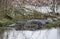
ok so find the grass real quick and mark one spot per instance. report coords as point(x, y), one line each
point(6, 18)
point(53, 24)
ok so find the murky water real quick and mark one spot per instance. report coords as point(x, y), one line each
point(53, 33)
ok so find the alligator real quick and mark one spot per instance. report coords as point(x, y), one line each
point(30, 24)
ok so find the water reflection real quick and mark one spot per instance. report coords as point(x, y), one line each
point(39, 34)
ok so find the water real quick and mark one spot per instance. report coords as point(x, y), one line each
point(53, 33)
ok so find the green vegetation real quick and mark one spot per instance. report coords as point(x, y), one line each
point(53, 24)
point(9, 16)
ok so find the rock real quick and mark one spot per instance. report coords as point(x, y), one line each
point(55, 19)
point(50, 19)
